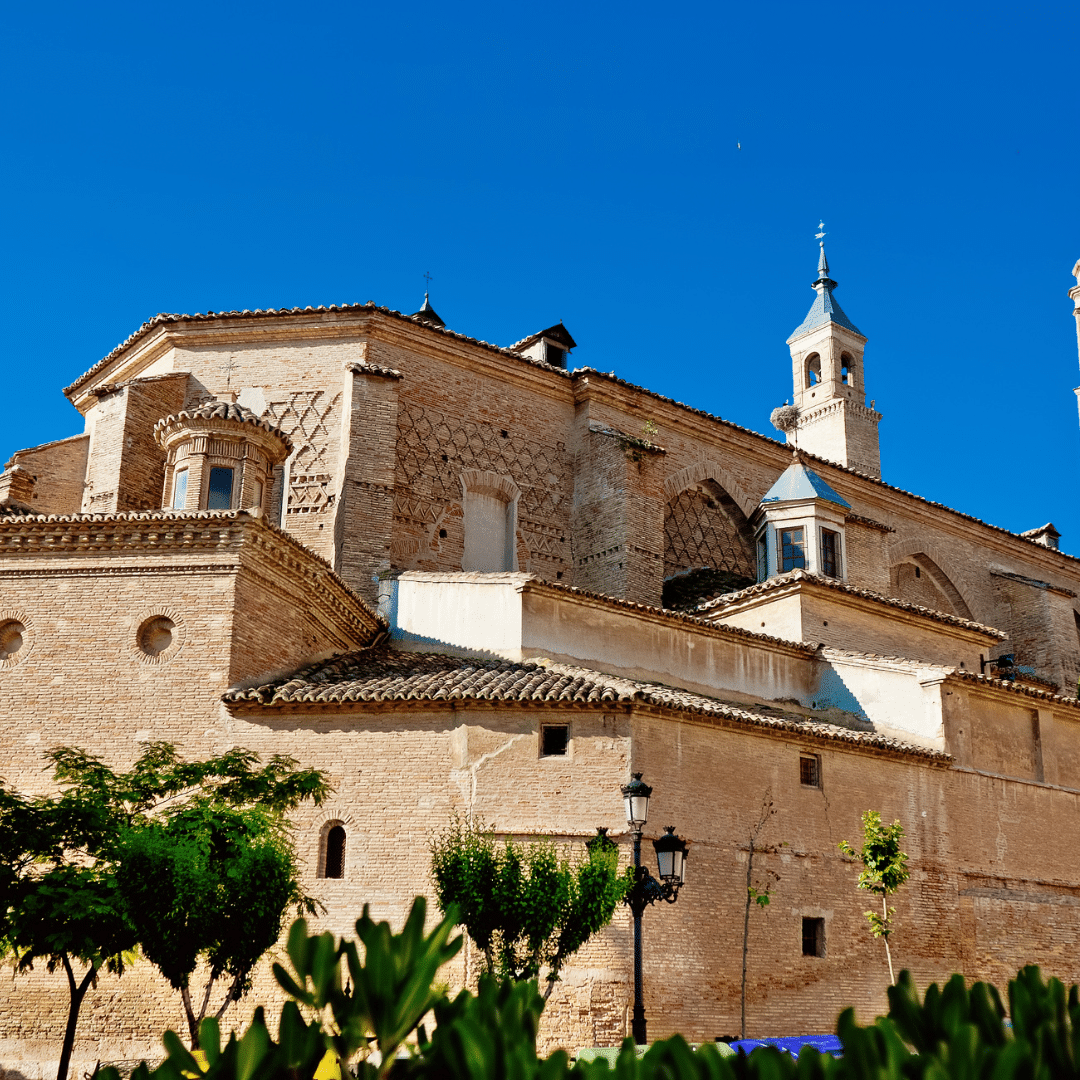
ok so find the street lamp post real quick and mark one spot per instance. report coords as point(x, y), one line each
point(671, 865)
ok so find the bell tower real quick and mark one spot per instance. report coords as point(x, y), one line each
point(834, 421)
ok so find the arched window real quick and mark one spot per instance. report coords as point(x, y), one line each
point(813, 369)
point(334, 853)
point(847, 370)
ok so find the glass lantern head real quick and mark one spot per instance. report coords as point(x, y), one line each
point(671, 856)
point(636, 798)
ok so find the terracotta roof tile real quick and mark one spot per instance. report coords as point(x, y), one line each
point(1015, 687)
point(537, 584)
point(166, 318)
point(225, 410)
point(794, 576)
point(385, 674)
point(577, 373)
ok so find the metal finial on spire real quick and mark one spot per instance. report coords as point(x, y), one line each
point(823, 262)
point(427, 278)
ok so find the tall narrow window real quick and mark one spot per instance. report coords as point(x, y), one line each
point(792, 550)
point(335, 853)
point(813, 369)
point(830, 553)
point(219, 493)
point(179, 489)
point(762, 560)
point(813, 937)
point(847, 370)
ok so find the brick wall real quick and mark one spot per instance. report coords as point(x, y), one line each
point(59, 471)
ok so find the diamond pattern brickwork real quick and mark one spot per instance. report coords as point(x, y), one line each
point(699, 531)
point(433, 448)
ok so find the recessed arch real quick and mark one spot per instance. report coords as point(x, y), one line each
point(812, 370)
point(705, 527)
point(917, 577)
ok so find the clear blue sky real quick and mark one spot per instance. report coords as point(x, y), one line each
point(576, 161)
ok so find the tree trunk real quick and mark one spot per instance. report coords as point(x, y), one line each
point(230, 997)
point(192, 1023)
point(746, 935)
point(78, 992)
point(885, 938)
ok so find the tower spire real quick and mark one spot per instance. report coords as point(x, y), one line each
point(827, 367)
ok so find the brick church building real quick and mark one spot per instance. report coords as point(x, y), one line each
point(465, 578)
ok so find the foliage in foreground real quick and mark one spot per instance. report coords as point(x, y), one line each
point(352, 1005)
point(525, 908)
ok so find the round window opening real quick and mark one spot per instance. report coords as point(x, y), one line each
point(11, 638)
point(156, 635)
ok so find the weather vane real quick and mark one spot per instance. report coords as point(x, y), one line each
point(820, 234)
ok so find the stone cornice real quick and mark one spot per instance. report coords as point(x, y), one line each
point(246, 536)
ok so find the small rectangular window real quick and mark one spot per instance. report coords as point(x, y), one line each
point(813, 937)
point(179, 489)
point(792, 550)
point(762, 560)
point(810, 770)
point(554, 740)
point(219, 493)
point(830, 553)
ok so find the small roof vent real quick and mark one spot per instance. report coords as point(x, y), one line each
point(552, 345)
point(1046, 535)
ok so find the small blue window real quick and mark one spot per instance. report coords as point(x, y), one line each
point(219, 493)
point(792, 550)
point(179, 492)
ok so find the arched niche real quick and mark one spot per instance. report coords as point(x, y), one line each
point(704, 526)
point(918, 579)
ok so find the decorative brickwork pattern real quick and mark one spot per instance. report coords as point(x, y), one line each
point(434, 449)
point(305, 416)
point(704, 527)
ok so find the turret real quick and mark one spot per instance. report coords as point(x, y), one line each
point(827, 368)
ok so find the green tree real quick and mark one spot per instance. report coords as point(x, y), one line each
point(525, 907)
point(68, 864)
point(208, 882)
point(53, 909)
point(884, 871)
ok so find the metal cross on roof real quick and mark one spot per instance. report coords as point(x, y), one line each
point(427, 277)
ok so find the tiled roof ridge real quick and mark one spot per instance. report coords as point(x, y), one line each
point(24, 521)
point(366, 367)
point(1014, 687)
point(870, 523)
point(528, 680)
point(806, 454)
point(229, 411)
point(837, 585)
point(534, 581)
point(166, 318)
point(577, 373)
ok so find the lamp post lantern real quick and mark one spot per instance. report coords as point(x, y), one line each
point(671, 865)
